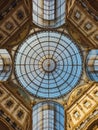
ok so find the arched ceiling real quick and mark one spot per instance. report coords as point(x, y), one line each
point(3, 4)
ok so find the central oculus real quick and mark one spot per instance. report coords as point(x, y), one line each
point(48, 64)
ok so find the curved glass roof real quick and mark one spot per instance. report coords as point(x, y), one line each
point(48, 116)
point(92, 65)
point(48, 13)
point(48, 64)
point(5, 65)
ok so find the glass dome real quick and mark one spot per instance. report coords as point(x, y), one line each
point(48, 64)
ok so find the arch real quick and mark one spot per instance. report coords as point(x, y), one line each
point(3, 126)
point(93, 125)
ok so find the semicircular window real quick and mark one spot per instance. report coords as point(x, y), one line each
point(92, 65)
point(48, 64)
